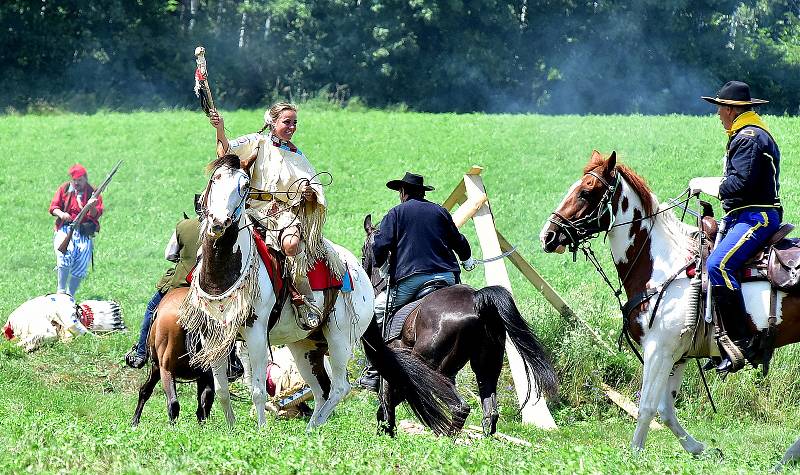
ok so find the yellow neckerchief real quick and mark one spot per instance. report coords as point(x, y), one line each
point(745, 119)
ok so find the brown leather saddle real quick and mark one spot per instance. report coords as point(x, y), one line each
point(778, 263)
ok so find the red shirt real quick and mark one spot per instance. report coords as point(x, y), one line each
point(67, 200)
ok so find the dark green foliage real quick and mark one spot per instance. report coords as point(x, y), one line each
point(548, 56)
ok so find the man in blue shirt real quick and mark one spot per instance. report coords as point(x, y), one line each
point(418, 239)
point(749, 191)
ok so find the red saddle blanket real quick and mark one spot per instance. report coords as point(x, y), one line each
point(273, 265)
point(320, 277)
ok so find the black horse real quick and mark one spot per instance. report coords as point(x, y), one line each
point(455, 325)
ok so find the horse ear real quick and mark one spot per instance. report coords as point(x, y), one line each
point(612, 161)
point(246, 163)
point(368, 223)
point(596, 155)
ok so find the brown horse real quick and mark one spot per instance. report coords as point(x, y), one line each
point(170, 361)
point(456, 325)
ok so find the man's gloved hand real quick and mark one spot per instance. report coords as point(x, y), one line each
point(383, 270)
point(469, 264)
point(705, 184)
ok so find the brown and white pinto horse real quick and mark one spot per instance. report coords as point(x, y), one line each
point(650, 248)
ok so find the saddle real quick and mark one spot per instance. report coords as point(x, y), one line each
point(320, 278)
point(777, 263)
point(394, 322)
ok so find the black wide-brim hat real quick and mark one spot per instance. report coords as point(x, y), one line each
point(734, 93)
point(409, 181)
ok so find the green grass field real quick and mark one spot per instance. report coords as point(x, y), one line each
point(67, 407)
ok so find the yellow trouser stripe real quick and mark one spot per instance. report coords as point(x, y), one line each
point(745, 237)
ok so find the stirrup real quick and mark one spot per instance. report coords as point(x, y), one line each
point(733, 355)
point(309, 316)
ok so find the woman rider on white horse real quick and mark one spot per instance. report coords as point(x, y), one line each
point(295, 212)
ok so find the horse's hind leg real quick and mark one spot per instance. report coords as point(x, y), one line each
point(171, 392)
point(309, 358)
point(666, 409)
point(205, 395)
point(145, 392)
point(340, 351)
point(487, 364)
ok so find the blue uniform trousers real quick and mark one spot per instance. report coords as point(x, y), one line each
point(746, 233)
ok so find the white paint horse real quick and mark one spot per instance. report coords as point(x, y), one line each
point(651, 249)
point(232, 283)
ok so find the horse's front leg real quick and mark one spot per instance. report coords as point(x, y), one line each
point(387, 422)
point(666, 409)
point(220, 371)
point(256, 337)
point(657, 365)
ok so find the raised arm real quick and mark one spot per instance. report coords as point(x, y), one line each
point(219, 124)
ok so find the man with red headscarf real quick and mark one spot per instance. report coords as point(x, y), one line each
point(73, 265)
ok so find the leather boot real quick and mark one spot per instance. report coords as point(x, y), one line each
point(308, 314)
point(370, 379)
point(730, 308)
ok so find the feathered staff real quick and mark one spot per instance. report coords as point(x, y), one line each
point(201, 89)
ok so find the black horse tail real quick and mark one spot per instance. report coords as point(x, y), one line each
point(495, 301)
point(429, 394)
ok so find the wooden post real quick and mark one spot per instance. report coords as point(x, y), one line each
point(535, 411)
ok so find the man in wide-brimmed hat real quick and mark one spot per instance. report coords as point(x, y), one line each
point(418, 239)
point(749, 191)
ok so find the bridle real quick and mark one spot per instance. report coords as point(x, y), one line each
point(243, 191)
point(580, 239)
point(583, 229)
point(368, 264)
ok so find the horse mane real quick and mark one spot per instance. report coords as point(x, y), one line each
point(229, 160)
point(680, 233)
point(636, 182)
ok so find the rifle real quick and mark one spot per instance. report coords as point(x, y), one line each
point(201, 88)
point(63, 247)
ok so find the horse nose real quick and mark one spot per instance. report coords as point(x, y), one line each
point(550, 241)
point(217, 226)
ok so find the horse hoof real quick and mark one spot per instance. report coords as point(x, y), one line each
point(714, 454)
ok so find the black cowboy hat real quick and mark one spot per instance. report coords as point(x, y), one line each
point(734, 93)
point(409, 181)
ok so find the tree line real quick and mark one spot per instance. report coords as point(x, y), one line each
point(543, 56)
